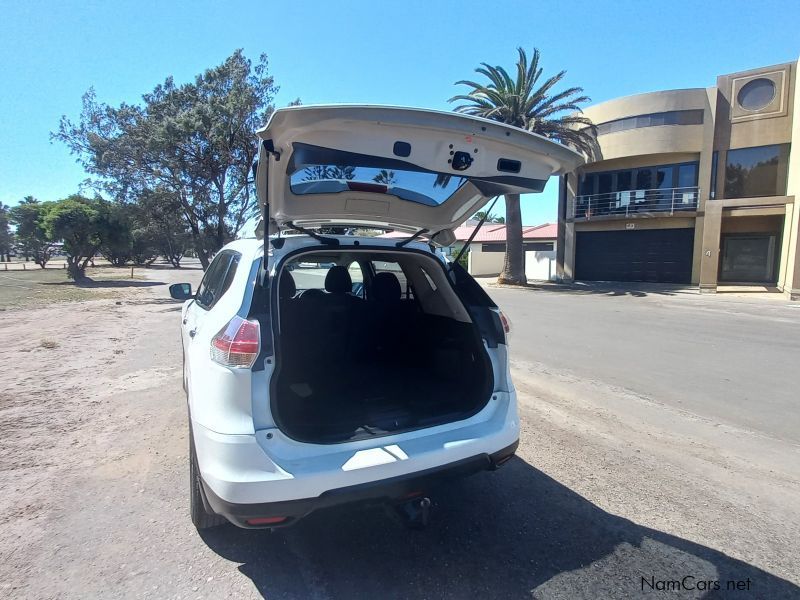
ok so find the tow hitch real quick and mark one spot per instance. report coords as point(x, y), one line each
point(415, 513)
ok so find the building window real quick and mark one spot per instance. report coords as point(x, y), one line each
point(673, 117)
point(687, 175)
point(759, 171)
point(756, 94)
point(683, 175)
point(714, 163)
point(655, 188)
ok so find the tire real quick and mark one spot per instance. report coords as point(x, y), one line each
point(201, 518)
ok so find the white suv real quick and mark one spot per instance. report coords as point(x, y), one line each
point(326, 368)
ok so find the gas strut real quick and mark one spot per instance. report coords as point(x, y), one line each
point(474, 232)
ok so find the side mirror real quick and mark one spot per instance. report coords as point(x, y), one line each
point(180, 291)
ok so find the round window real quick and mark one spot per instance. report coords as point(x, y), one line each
point(756, 94)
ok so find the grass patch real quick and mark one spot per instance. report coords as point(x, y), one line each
point(41, 287)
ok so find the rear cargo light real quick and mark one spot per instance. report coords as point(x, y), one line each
point(236, 344)
point(265, 520)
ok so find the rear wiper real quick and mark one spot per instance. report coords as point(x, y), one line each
point(320, 238)
point(402, 243)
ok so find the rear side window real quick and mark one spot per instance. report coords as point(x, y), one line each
point(310, 273)
point(217, 279)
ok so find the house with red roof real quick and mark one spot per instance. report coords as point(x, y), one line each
point(488, 248)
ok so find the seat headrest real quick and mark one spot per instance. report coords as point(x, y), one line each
point(338, 281)
point(386, 287)
point(286, 286)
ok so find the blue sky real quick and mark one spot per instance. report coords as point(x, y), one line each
point(409, 53)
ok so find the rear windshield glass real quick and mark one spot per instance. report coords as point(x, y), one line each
point(421, 187)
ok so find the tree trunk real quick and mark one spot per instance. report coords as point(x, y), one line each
point(76, 270)
point(197, 242)
point(514, 264)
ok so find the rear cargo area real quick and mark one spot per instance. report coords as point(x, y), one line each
point(363, 359)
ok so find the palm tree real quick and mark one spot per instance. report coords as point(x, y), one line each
point(523, 103)
point(385, 177)
point(490, 218)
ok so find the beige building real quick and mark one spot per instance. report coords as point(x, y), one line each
point(692, 186)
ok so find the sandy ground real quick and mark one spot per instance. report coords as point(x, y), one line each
point(609, 490)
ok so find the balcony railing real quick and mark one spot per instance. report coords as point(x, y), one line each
point(663, 200)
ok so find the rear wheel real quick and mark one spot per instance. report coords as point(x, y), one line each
point(201, 518)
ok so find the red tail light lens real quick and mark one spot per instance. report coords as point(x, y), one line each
point(506, 323)
point(237, 344)
point(265, 520)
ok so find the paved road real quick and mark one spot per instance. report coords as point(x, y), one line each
point(732, 361)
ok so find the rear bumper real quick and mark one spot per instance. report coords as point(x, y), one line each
point(388, 491)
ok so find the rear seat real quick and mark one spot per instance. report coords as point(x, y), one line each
point(390, 322)
point(325, 323)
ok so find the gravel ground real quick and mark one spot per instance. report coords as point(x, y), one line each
point(610, 493)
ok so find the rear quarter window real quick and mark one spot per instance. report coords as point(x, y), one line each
point(218, 279)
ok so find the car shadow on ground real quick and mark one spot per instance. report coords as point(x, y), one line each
point(156, 302)
point(167, 267)
point(510, 534)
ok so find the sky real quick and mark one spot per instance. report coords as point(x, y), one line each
point(401, 53)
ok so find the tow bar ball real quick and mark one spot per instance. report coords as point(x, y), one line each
point(415, 513)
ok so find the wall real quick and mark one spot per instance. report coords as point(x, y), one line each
point(540, 265)
point(484, 263)
point(789, 270)
point(663, 139)
point(760, 224)
point(642, 147)
point(652, 223)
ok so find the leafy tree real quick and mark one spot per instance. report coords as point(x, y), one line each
point(196, 141)
point(319, 172)
point(341, 172)
point(32, 237)
point(165, 225)
point(385, 177)
point(490, 218)
point(523, 102)
point(117, 246)
point(6, 237)
point(82, 224)
point(315, 173)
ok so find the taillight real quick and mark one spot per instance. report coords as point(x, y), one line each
point(236, 344)
point(265, 520)
point(506, 323)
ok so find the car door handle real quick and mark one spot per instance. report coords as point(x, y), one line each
point(192, 332)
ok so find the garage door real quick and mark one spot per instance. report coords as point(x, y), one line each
point(654, 255)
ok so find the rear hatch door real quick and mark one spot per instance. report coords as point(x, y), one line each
point(394, 168)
